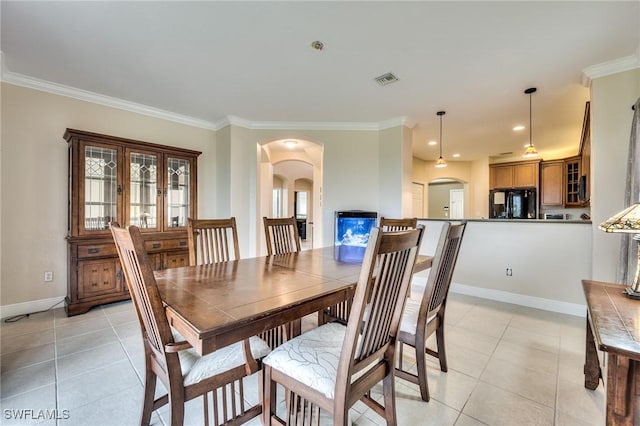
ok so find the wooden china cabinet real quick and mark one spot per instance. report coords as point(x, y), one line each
point(133, 183)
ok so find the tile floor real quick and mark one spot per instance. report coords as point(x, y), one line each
point(508, 365)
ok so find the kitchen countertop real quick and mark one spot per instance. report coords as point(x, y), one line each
point(570, 221)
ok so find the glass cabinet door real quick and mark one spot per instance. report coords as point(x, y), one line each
point(144, 195)
point(178, 188)
point(100, 187)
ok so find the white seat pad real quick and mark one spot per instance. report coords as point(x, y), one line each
point(311, 358)
point(196, 368)
point(410, 316)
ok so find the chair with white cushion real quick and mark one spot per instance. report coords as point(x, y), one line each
point(184, 373)
point(424, 317)
point(333, 366)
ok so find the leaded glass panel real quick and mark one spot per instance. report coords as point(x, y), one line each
point(143, 177)
point(178, 192)
point(100, 187)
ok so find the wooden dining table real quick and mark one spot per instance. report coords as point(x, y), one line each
point(215, 305)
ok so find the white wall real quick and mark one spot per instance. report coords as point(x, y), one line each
point(34, 180)
point(548, 260)
point(611, 115)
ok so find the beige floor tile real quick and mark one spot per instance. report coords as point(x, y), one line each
point(465, 420)
point(128, 329)
point(477, 341)
point(25, 379)
point(466, 361)
point(532, 384)
point(418, 412)
point(532, 339)
point(117, 307)
point(527, 357)
point(497, 407)
point(62, 319)
point(72, 329)
point(25, 408)
point(20, 359)
point(485, 325)
point(22, 342)
point(122, 316)
point(577, 402)
point(85, 341)
point(97, 384)
point(82, 362)
point(121, 408)
point(33, 323)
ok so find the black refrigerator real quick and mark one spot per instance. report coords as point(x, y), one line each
point(513, 204)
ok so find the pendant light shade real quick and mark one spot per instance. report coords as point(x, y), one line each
point(441, 163)
point(530, 152)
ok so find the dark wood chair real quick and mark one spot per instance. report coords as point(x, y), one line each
point(212, 240)
point(282, 235)
point(422, 318)
point(340, 312)
point(333, 366)
point(388, 224)
point(185, 374)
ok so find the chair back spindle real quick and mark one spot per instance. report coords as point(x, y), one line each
point(281, 235)
point(212, 241)
point(388, 224)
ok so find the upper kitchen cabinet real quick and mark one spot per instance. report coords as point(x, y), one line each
point(522, 174)
point(585, 154)
point(551, 183)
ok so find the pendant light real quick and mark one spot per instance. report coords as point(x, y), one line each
point(530, 152)
point(441, 163)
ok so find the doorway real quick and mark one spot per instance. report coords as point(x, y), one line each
point(456, 203)
point(440, 197)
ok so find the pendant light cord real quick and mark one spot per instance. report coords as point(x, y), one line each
point(441, 135)
point(530, 123)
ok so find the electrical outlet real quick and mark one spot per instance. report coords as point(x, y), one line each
point(48, 276)
point(509, 272)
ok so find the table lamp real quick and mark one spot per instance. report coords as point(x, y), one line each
point(627, 221)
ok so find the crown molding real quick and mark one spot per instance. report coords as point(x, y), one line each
point(96, 98)
point(615, 66)
point(85, 95)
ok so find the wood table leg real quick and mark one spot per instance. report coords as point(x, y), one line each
point(623, 393)
point(592, 372)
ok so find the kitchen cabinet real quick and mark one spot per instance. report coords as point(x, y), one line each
point(523, 174)
point(551, 183)
point(572, 181)
point(130, 182)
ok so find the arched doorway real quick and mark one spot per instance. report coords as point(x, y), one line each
point(291, 185)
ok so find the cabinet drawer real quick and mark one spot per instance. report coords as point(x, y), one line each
point(176, 260)
point(96, 250)
point(99, 277)
point(166, 245)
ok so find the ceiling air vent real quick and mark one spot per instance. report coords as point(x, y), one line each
point(506, 153)
point(385, 79)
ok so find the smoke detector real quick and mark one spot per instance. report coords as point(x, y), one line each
point(385, 79)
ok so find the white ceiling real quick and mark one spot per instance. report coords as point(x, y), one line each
point(252, 61)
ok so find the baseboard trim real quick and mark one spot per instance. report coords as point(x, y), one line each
point(30, 307)
point(514, 298)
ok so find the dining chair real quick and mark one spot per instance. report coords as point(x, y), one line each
point(281, 235)
point(340, 312)
point(212, 240)
point(168, 357)
point(388, 224)
point(333, 366)
point(423, 317)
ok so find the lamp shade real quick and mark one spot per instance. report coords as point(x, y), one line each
point(627, 220)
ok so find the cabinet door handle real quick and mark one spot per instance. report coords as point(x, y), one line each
point(94, 250)
point(119, 189)
point(183, 243)
point(156, 245)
